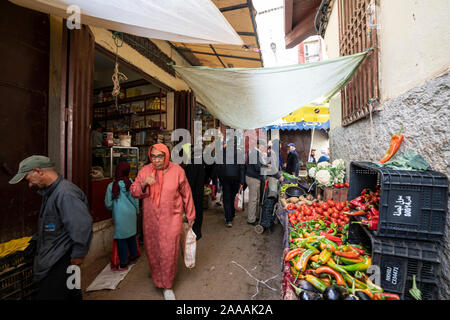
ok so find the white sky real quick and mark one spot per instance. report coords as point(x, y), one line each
point(270, 27)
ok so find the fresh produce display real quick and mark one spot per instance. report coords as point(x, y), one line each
point(327, 174)
point(293, 203)
point(324, 266)
point(327, 214)
point(367, 204)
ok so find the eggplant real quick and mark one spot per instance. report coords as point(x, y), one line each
point(335, 293)
point(351, 297)
point(306, 295)
point(306, 285)
point(362, 295)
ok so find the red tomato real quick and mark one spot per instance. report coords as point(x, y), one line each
point(347, 185)
point(319, 210)
point(330, 203)
point(324, 206)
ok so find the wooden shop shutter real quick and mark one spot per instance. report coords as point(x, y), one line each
point(356, 34)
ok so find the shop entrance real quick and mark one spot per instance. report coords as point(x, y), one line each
point(122, 130)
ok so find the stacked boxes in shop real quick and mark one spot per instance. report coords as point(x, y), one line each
point(412, 223)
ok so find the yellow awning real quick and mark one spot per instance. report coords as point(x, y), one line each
point(309, 113)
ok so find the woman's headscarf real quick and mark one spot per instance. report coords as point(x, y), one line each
point(155, 190)
point(122, 172)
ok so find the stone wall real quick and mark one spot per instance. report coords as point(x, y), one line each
point(424, 112)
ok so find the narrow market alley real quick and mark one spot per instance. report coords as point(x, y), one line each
point(222, 253)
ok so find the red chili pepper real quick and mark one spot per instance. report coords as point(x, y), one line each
point(347, 254)
point(327, 222)
point(339, 279)
point(361, 251)
point(293, 253)
point(375, 212)
point(330, 237)
point(363, 192)
point(386, 296)
point(396, 141)
point(356, 213)
point(356, 203)
point(371, 224)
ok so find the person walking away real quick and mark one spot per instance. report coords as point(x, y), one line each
point(125, 210)
point(312, 156)
point(253, 179)
point(324, 156)
point(166, 193)
point(231, 177)
point(64, 230)
point(195, 174)
point(293, 165)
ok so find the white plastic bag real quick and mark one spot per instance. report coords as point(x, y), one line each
point(239, 200)
point(189, 246)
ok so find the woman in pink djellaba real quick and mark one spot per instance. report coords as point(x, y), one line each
point(166, 194)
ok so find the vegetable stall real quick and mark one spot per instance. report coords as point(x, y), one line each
point(344, 250)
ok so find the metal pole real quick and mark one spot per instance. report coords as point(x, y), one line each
point(312, 137)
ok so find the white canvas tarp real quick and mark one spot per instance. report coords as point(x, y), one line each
point(254, 98)
point(193, 21)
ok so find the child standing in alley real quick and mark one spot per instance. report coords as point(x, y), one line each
point(125, 209)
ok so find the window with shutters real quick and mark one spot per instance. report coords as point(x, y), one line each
point(358, 32)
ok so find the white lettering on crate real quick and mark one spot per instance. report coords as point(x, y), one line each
point(403, 206)
point(388, 274)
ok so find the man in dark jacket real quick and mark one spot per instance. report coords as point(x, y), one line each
point(64, 230)
point(231, 177)
point(292, 166)
point(195, 174)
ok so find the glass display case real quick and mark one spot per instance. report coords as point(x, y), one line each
point(110, 157)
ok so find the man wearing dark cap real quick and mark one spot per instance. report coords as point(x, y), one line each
point(292, 166)
point(312, 156)
point(64, 230)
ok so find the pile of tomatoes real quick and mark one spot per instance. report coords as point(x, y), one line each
point(341, 185)
point(328, 211)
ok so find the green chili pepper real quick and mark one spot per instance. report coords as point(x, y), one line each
point(335, 266)
point(303, 261)
point(315, 265)
point(329, 242)
point(310, 246)
point(349, 261)
point(359, 266)
point(315, 244)
point(350, 280)
point(316, 282)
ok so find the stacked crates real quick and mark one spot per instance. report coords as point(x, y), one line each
point(413, 215)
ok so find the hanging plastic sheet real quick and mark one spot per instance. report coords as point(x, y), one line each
point(193, 21)
point(254, 98)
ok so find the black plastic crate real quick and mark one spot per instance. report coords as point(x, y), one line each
point(399, 260)
point(413, 204)
point(17, 284)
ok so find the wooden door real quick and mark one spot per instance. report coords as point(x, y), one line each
point(80, 82)
point(185, 110)
point(24, 84)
